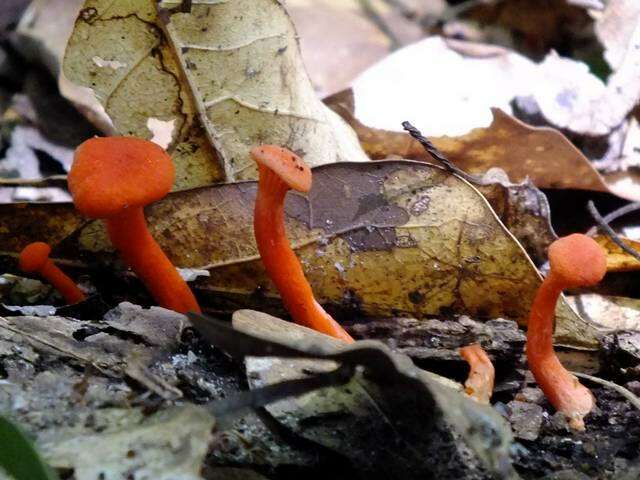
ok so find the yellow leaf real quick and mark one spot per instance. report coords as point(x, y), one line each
point(617, 259)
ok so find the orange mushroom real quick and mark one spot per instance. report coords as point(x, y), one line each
point(479, 384)
point(34, 258)
point(113, 178)
point(281, 170)
point(576, 261)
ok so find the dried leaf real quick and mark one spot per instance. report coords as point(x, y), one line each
point(532, 28)
point(613, 313)
point(396, 400)
point(566, 93)
point(541, 154)
point(221, 81)
point(383, 238)
point(43, 32)
point(619, 31)
point(169, 445)
point(617, 259)
point(523, 209)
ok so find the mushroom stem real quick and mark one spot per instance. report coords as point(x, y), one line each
point(34, 258)
point(114, 178)
point(481, 378)
point(575, 261)
point(564, 391)
point(61, 281)
point(281, 262)
point(130, 236)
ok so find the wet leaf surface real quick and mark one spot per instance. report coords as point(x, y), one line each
point(222, 83)
point(376, 238)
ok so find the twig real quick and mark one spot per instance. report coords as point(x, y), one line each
point(607, 230)
point(633, 399)
point(227, 410)
point(437, 154)
point(408, 12)
point(610, 217)
point(379, 22)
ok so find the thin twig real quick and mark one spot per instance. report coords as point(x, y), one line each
point(607, 230)
point(635, 401)
point(437, 154)
point(610, 217)
point(380, 22)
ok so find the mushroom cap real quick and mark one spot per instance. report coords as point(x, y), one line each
point(577, 261)
point(112, 173)
point(286, 164)
point(34, 256)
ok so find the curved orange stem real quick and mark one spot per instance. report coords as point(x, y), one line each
point(479, 384)
point(281, 262)
point(563, 390)
point(67, 287)
point(129, 234)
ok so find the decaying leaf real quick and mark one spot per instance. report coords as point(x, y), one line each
point(52, 387)
point(380, 238)
point(541, 154)
point(393, 399)
point(220, 82)
point(613, 313)
point(617, 259)
point(523, 209)
point(157, 328)
point(532, 28)
point(566, 93)
point(168, 445)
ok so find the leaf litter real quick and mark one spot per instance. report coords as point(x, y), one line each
point(397, 243)
point(510, 201)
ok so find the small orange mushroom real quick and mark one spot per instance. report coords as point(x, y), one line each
point(113, 178)
point(34, 258)
point(281, 170)
point(479, 384)
point(576, 261)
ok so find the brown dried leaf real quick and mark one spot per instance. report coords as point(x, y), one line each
point(382, 237)
point(523, 209)
point(542, 154)
point(220, 82)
